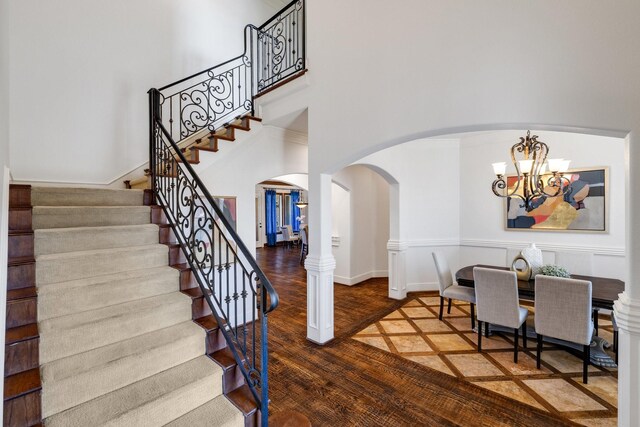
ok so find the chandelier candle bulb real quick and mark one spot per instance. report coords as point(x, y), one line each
point(499, 168)
point(555, 164)
point(564, 166)
point(525, 165)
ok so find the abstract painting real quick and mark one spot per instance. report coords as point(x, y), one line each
point(583, 208)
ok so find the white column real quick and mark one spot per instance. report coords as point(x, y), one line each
point(628, 317)
point(397, 269)
point(627, 308)
point(320, 263)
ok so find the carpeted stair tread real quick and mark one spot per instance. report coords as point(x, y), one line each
point(66, 196)
point(153, 401)
point(67, 266)
point(75, 296)
point(68, 335)
point(72, 239)
point(89, 216)
point(79, 378)
point(218, 412)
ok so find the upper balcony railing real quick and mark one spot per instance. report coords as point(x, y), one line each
point(237, 291)
point(272, 53)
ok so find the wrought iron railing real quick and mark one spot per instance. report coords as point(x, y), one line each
point(211, 98)
point(237, 291)
point(281, 46)
point(239, 294)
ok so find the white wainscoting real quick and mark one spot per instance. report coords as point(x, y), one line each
point(421, 274)
point(607, 261)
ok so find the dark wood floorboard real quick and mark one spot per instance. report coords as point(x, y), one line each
point(348, 383)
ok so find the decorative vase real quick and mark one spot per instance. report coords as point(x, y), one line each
point(533, 256)
point(523, 273)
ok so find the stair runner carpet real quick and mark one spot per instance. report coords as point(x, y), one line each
point(117, 343)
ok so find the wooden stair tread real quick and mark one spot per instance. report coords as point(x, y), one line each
point(213, 150)
point(224, 358)
point(20, 260)
point(18, 232)
point(22, 293)
point(22, 383)
point(208, 323)
point(21, 333)
point(250, 117)
point(194, 292)
point(223, 136)
point(243, 400)
point(191, 161)
point(183, 266)
point(244, 128)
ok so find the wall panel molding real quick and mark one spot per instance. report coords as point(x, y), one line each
point(502, 244)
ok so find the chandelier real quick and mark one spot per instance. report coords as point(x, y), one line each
point(530, 185)
point(301, 203)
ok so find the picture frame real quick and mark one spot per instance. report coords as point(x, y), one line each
point(583, 209)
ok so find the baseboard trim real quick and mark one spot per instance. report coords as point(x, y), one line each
point(422, 286)
point(350, 281)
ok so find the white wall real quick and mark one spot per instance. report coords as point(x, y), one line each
point(341, 232)
point(5, 21)
point(81, 69)
point(265, 154)
point(361, 219)
point(428, 211)
point(482, 220)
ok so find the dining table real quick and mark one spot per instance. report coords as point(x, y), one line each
point(604, 290)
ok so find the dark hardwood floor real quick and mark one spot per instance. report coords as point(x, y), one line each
point(348, 383)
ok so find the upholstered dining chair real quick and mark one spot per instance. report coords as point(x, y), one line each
point(451, 291)
point(288, 237)
point(498, 304)
point(563, 311)
point(578, 263)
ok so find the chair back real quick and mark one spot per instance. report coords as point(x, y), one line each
point(576, 262)
point(497, 296)
point(445, 279)
point(290, 231)
point(563, 309)
point(285, 233)
point(303, 236)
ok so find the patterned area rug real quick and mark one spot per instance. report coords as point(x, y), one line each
point(415, 333)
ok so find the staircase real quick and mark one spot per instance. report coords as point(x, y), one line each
point(118, 345)
point(123, 312)
point(199, 148)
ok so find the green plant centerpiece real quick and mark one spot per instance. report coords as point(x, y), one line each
point(554, 270)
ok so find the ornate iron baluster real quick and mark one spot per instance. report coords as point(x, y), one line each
point(204, 102)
